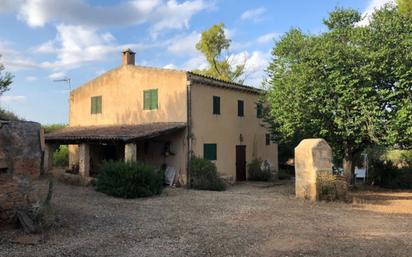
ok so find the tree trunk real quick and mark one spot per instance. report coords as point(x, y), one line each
point(348, 164)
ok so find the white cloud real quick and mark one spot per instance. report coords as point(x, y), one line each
point(370, 9)
point(31, 78)
point(57, 75)
point(77, 45)
point(255, 65)
point(6, 99)
point(184, 45)
point(14, 60)
point(196, 62)
point(160, 14)
point(9, 5)
point(253, 14)
point(173, 15)
point(267, 38)
point(170, 66)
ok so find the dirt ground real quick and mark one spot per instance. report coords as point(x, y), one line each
point(251, 219)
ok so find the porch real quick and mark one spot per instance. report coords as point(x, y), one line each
point(155, 144)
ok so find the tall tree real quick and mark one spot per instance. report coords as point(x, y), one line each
point(333, 86)
point(405, 7)
point(5, 80)
point(213, 44)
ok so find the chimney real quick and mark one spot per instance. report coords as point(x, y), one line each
point(128, 57)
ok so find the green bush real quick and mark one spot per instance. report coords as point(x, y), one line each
point(53, 127)
point(129, 180)
point(61, 156)
point(387, 175)
point(8, 115)
point(204, 176)
point(256, 173)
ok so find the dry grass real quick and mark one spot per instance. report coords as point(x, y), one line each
point(251, 219)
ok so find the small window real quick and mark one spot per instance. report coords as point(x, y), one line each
point(96, 105)
point(216, 105)
point(210, 152)
point(267, 139)
point(240, 108)
point(259, 110)
point(150, 99)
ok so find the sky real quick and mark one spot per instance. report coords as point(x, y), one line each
point(46, 40)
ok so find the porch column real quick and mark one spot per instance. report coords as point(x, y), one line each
point(48, 157)
point(130, 152)
point(84, 160)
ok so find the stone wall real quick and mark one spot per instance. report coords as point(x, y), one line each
point(20, 162)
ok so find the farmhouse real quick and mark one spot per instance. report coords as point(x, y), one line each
point(164, 116)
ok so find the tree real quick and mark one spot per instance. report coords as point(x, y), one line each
point(5, 80)
point(405, 7)
point(212, 45)
point(336, 85)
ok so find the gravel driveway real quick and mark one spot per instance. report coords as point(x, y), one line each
point(251, 219)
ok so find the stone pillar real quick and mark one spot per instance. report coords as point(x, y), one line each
point(84, 160)
point(130, 152)
point(312, 157)
point(48, 157)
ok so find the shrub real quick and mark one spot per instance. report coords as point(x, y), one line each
point(53, 127)
point(331, 187)
point(7, 115)
point(387, 175)
point(61, 156)
point(129, 180)
point(256, 173)
point(204, 176)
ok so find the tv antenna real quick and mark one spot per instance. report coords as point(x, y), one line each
point(66, 79)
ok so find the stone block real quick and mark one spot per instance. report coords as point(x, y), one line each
point(312, 157)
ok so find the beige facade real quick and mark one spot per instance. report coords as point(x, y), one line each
point(227, 129)
point(179, 100)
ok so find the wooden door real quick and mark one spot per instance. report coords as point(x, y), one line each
point(240, 163)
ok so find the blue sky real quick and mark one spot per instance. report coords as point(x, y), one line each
point(43, 40)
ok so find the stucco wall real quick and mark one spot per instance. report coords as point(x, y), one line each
point(122, 97)
point(122, 103)
point(225, 129)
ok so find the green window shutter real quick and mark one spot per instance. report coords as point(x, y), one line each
point(96, 104)
point(150, 99)
point(216, 105)
point(210, 152)
point(154, 104)
point(240, 108)
point(259, 110)
point(146, 99)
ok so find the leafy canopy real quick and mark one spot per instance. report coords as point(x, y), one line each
point(213, 44)
point(350, 85)
point(405, 7)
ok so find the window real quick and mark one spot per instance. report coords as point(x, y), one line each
point(210, 152)
point(96, 105)
point(267, 139)
point(150, 99)
point(216, 105)
point(240, 108)
point(259, 110)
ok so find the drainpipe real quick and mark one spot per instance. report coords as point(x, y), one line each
point(189, 129)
